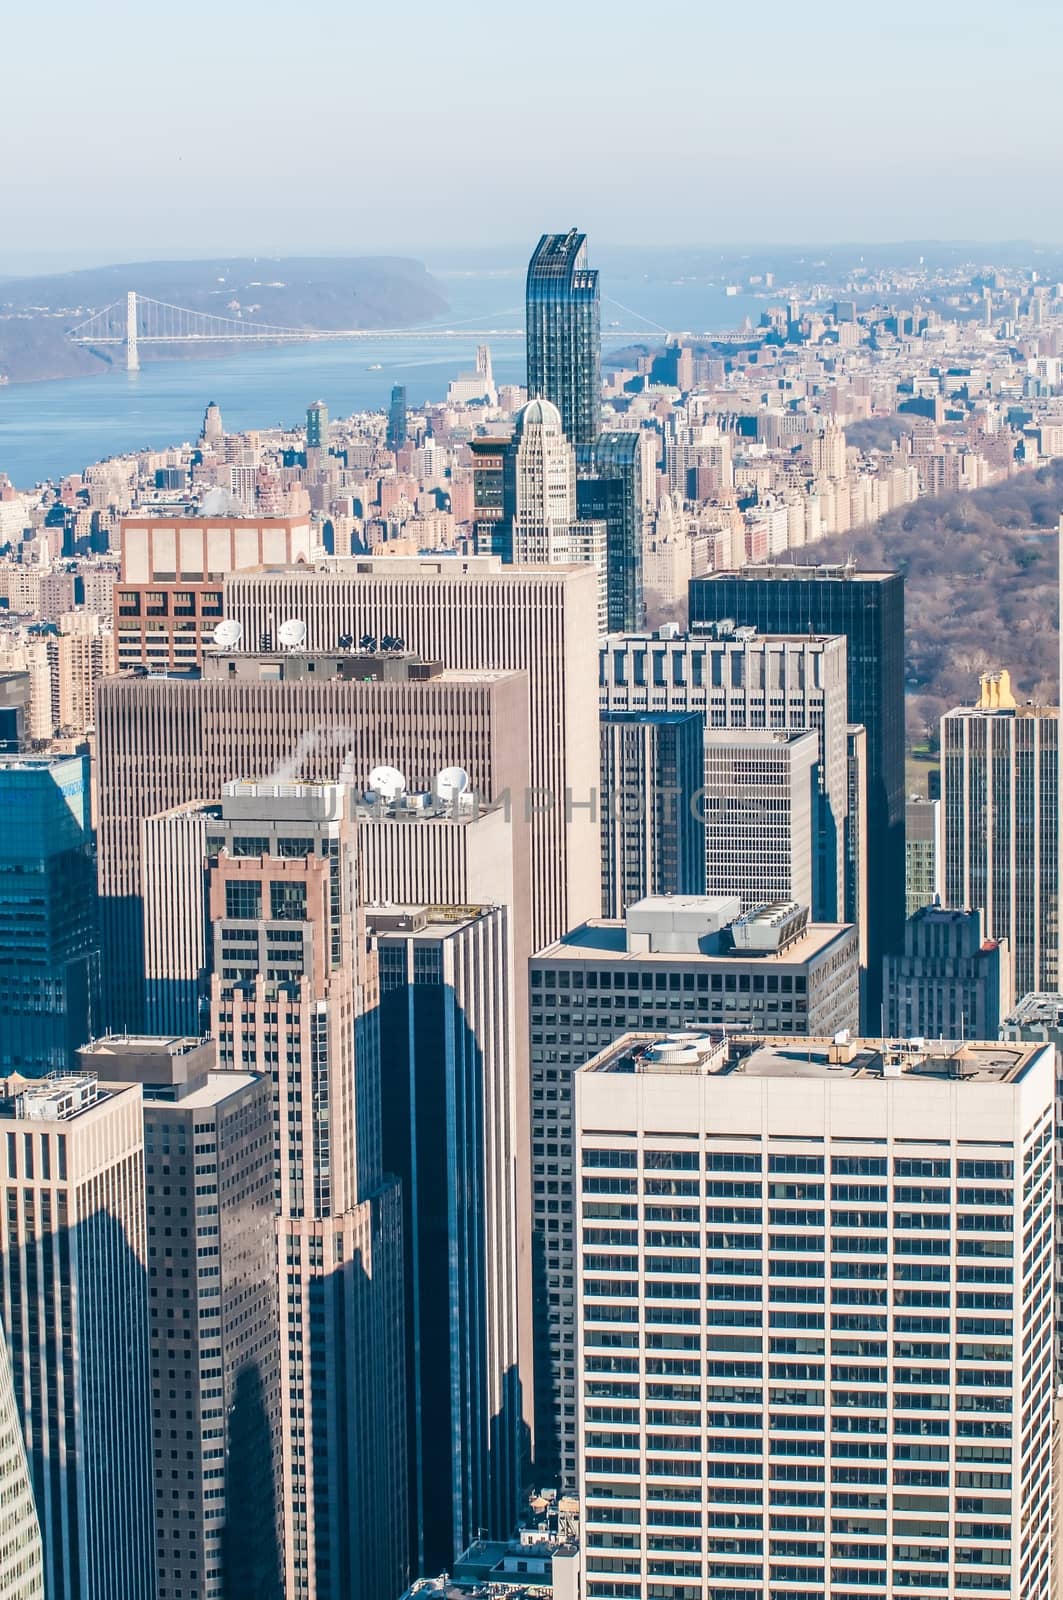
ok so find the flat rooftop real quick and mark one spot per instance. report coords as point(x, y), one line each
point(775, 570)
point(605, 938)
point(1041, 1008)
point(713, 1053)
point(216, 1087)
point(422, 922)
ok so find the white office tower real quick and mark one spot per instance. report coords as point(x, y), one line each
point(815, 1314)
point(539, 497)
point(21, 1559)
point(759, 805)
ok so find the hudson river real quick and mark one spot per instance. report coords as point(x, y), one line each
point(50, 429)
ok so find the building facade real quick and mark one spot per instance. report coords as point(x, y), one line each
point(539, 501)
point(922, 852)
point(449, 1131)
point(808, 1362)
point(738, 679)
point(474, 616)
point(672, 964)
point(1000, 805)
point(74, 1306)
point(949, 982)
point(613, 493)
point(867, 610)
point(166, 741)
point(168, 599)
point(21, 1555)
point(49, 943)
point(759, 805)
point(653, 828)
point(208, 1174)
point(294, 996)
point(563, 330)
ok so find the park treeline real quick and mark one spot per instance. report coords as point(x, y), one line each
point(980, 591)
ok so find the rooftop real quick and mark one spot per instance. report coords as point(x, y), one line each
point(844, 570)
point(696, 928)
point(718, 1054)
point(1041, 1008)
point(438, 922)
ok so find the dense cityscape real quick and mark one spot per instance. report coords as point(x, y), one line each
point(526, 1071)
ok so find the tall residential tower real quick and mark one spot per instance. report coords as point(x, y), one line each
point(563, 323)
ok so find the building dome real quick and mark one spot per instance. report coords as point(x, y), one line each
point(542, 413)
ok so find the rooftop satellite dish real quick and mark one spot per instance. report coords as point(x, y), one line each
point(228, 633)
point(387, 782)
point(292, 634)
point(451, 782)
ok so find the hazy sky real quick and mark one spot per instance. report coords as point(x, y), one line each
point(129, 130)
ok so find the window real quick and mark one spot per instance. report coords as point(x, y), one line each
point(243, 899)
point(287, 901)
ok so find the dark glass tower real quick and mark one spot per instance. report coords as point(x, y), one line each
point(563, 323)
point(317, 426)
point(612, 493)
point(49, 949)
point(397, 418)
point(868, 609)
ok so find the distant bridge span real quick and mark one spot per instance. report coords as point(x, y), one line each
point(140, 320)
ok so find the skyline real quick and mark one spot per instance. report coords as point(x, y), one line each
point(891, 129)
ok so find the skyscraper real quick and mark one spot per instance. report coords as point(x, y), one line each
point(449, 1120)
point(208, 1174)
point(168, 600)
point(949, 982)
point(867, 610)
point(759, 805)
point(74, 1305)
point(1000, 804)
point(539, 501)
point(396, 433)
point(856, 1398)
point(736, 678)
point(21, 1555)
point(294, 995)
point(653, 832)
point(563, 327)
point(610, 490)
point(49, 946)
point(476, 615)
point(15, 695)
point(672, 963)
point(922, 852)
point(166, 741)
point(317, 427)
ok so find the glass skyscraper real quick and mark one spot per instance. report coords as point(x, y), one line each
point(867, 608)
point(563, 323)
point(612, 493)
point(49, 953)
point(396, 436)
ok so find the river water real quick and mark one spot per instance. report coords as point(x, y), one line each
point(50, 429)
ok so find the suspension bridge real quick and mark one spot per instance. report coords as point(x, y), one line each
point(139, 320)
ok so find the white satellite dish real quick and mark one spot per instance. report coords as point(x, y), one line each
point(292, 634)
point(387, 782)
point(228, 633)
point(451, 782)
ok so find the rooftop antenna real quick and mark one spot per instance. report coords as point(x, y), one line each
point(228, 633)
point(387, 782)
point(292, 634)
point(451, 783)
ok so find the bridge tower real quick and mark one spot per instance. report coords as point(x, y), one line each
point(132, 357)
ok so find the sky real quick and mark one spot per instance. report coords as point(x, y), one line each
point(131, 131)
